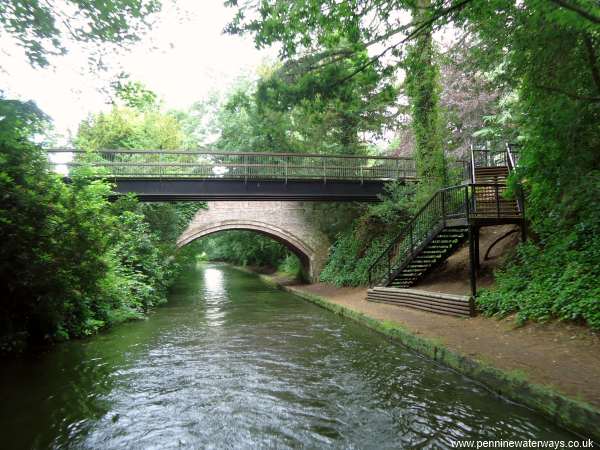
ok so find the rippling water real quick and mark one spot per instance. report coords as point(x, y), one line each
point(233, 363)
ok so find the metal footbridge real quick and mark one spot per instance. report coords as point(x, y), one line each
point(176, 175)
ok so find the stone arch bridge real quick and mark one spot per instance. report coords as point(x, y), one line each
point(289, 222)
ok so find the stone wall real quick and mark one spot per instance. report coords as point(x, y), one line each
point(289, 222)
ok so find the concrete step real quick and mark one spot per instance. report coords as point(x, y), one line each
point(449, 304)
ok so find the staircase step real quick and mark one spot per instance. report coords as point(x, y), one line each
point(440, 295)
point(462, 304)
point(486, 169)
point(412, 271)
point(427, 301)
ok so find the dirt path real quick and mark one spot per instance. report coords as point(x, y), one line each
point(564, 357)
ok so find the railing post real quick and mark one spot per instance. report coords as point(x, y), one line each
point(389, 268)
point(496, 189)
point(472, 164)
point(522, 201)
point(245, 162)
point(443, 207)
point(412, 243)
point(467, 206)
point(324, 170)
point(472, 274)
point(160, 165)
point(286, 168)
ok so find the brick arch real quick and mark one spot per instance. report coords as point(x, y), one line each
point(287, 222)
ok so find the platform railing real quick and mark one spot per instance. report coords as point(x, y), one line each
point(230, 165)
point(474, 201)
point(485, 156)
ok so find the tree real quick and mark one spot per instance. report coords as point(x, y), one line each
point(52, 259)
point(423, 90)
point(45, 28)
point(333, 34)
point(340, 116)
point(542, 58)
point(398, 33)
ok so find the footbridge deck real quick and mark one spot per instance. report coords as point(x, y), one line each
point(167, 175)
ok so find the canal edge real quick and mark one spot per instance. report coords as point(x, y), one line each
point(574, 415)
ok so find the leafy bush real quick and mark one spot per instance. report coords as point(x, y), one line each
point(243, 248)
point(358, 247)
point(558, 281)
point(555, 277)
point(350, 259)
point(291, 266)
point(71, 262)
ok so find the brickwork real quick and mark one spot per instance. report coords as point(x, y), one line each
point(288, 222)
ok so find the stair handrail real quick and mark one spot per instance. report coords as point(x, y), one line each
point(407, 230)
point(472, 164)
point(512, 165)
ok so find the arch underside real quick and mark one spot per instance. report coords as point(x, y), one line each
point(304, 252)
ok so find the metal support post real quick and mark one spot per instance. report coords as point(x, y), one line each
point(472, 274)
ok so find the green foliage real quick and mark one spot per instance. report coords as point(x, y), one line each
point(243, 248)
point(44, 28)
point(134, 94)
point(350, 258)
point(559, 280)
point(328, 114)
point(248, 248)
point(552, 76)
point(51, 260)
point(423, 90)
point(356, 248)
point(125, 127)
point(291, 266)
point(72, 262)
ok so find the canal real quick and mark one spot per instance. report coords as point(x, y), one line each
point(231, 362)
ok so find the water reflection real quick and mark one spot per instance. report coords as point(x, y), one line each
point(214, 296)
point(269, 371)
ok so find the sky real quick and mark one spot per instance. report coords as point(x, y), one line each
point(183, 59)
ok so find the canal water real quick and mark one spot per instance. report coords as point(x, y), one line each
point(233, 363)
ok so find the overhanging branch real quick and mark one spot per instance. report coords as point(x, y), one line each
point(578, 9)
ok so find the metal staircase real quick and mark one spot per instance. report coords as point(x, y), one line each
point(434, 233)
point(442, 245)
point(451, 216)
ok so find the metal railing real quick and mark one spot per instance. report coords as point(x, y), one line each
point(230, 165)
point(494, 157)
point(512, 155)
point(468, 201)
